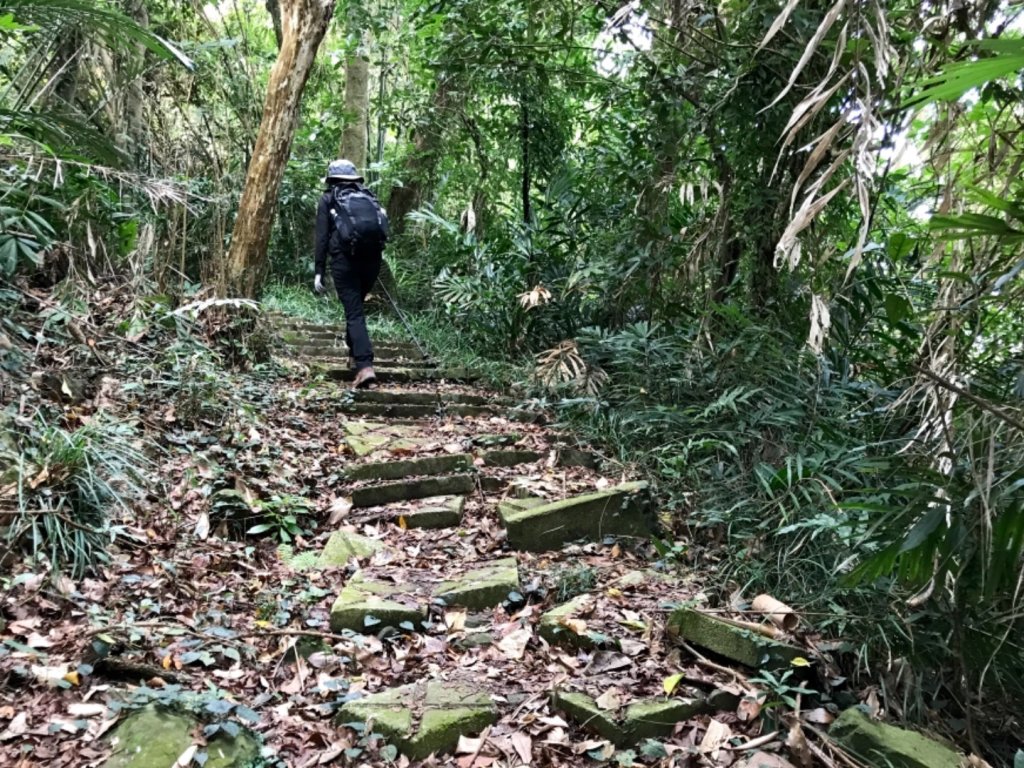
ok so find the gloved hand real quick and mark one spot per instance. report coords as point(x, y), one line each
point(318, 284)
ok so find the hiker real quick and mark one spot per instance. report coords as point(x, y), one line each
point(353, 228)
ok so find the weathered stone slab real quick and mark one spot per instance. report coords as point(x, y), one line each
point(573, 457)
point(151, 737)
point(376, 495)
point(510, 458)
point(345, 545)
point(393, 470)
point(646, 719)
point(391, 410)
point(482, 587)
point(732, 642)
point(488, 440)
point(620, 511)
point(437, 512)
point(322, 357)
point(421, 398)
point(365, 605)
point(445, 711)
point(881, 744)
point(565, 626)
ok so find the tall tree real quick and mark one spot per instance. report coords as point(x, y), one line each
point(357, 105)
point(303, 25)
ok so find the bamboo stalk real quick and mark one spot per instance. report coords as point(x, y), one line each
point(778, 613)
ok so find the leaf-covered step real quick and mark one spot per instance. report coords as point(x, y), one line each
point(393, 470)
point(424, 398)
point(414, 411)
point(434, 512)
point(425, 717)
point(368, 602)
point(387, 374)
point(377, 495)
point(733, 642)
point(624, 510)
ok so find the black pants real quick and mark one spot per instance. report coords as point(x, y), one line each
point(354, 276)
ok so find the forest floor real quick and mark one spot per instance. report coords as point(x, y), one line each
point(220, 592)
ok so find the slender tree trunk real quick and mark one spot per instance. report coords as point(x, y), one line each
point(303, 25)
point(524, 140)
point(274, 9)
point(357, 107)
point(135, 96)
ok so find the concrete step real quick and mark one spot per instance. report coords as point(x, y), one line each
point(425, 398)
point(341, 359)
point(538, 526)
point(378, 495)
point(394, 470)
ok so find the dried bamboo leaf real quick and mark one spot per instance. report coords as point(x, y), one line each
point(812, 46)
point(807, 213)
point(824, 143)
point(779, 23)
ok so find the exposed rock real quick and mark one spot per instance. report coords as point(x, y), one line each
point(620, 511)
point(156, 738)
point(881, 744)
point(730, 641)
point(510, 458)
point(562, 624)
point(365, 605)
point(444, 712)
point(646, 719)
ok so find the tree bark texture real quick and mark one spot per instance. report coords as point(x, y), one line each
point(357, 106)
point(303, 25)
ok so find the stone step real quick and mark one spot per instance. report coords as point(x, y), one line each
point(394, 470)
point(537, 525)
point(378, 495)
point(341, 359)
point(368, 603)
point(412, 411)
point(425, 717)
point(643, 719)
point(397, 375)
point(434, 512)
point(730, 641)
point(425, 398)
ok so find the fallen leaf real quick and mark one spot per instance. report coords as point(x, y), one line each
point(339, 510)
point(467, 745)
point(820, 715)
point(765, 760)
point(716, 735)
point(749, 708)
point(796, 742)
point(455, 621)
point(523, 745)
point(609, 700)
point(202, 529)
point(800, 661)
point(670, 683)
point(577, 626)
point(15, 728)
point(185, 757)
point(513, 645)
point(35, 640)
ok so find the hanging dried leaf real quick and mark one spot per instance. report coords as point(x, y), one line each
point(778, 24)
point(812, 46)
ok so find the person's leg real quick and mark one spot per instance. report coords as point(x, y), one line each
point(348, 280)
point(368, 266)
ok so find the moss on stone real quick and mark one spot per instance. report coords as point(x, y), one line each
point(620, 511)
point(362, 598)
point(510, 458)
point(344, 545)
point(585, 712)
point(152, 737)
point(447, 712)
point(881, 744)
point(645, 719)
point(555, 630)
point(732, 642)
point(437, 512)
point(482, 587)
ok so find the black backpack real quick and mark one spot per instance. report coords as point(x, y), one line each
point(358, 217)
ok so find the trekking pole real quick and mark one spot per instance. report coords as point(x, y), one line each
point(401, 316)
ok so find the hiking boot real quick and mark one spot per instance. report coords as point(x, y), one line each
point(364, 377)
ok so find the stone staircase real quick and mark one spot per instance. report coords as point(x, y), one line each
point(515, 563)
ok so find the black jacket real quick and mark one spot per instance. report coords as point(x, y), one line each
point(326, 243)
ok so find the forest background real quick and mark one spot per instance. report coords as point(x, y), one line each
point(768, 253)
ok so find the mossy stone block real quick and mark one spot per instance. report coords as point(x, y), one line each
point(363, 598)
point(732, 642)
point(510, 458)
point(482, 587)
point(447, 712)
point(650, 718)
point(438, 512)
point(377, 495)
point(393, 470)
point(882, 744)
point(155, 738)
point(620, 511)
point(344, 545)
point(364, 445)
point(554, 628)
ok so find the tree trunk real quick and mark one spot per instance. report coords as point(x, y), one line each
point(357, 107)
point(274, 9)
point(303, 25)
point(524, 141)
point(135, 96)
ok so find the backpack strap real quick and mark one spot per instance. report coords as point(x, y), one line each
point(342, 217)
